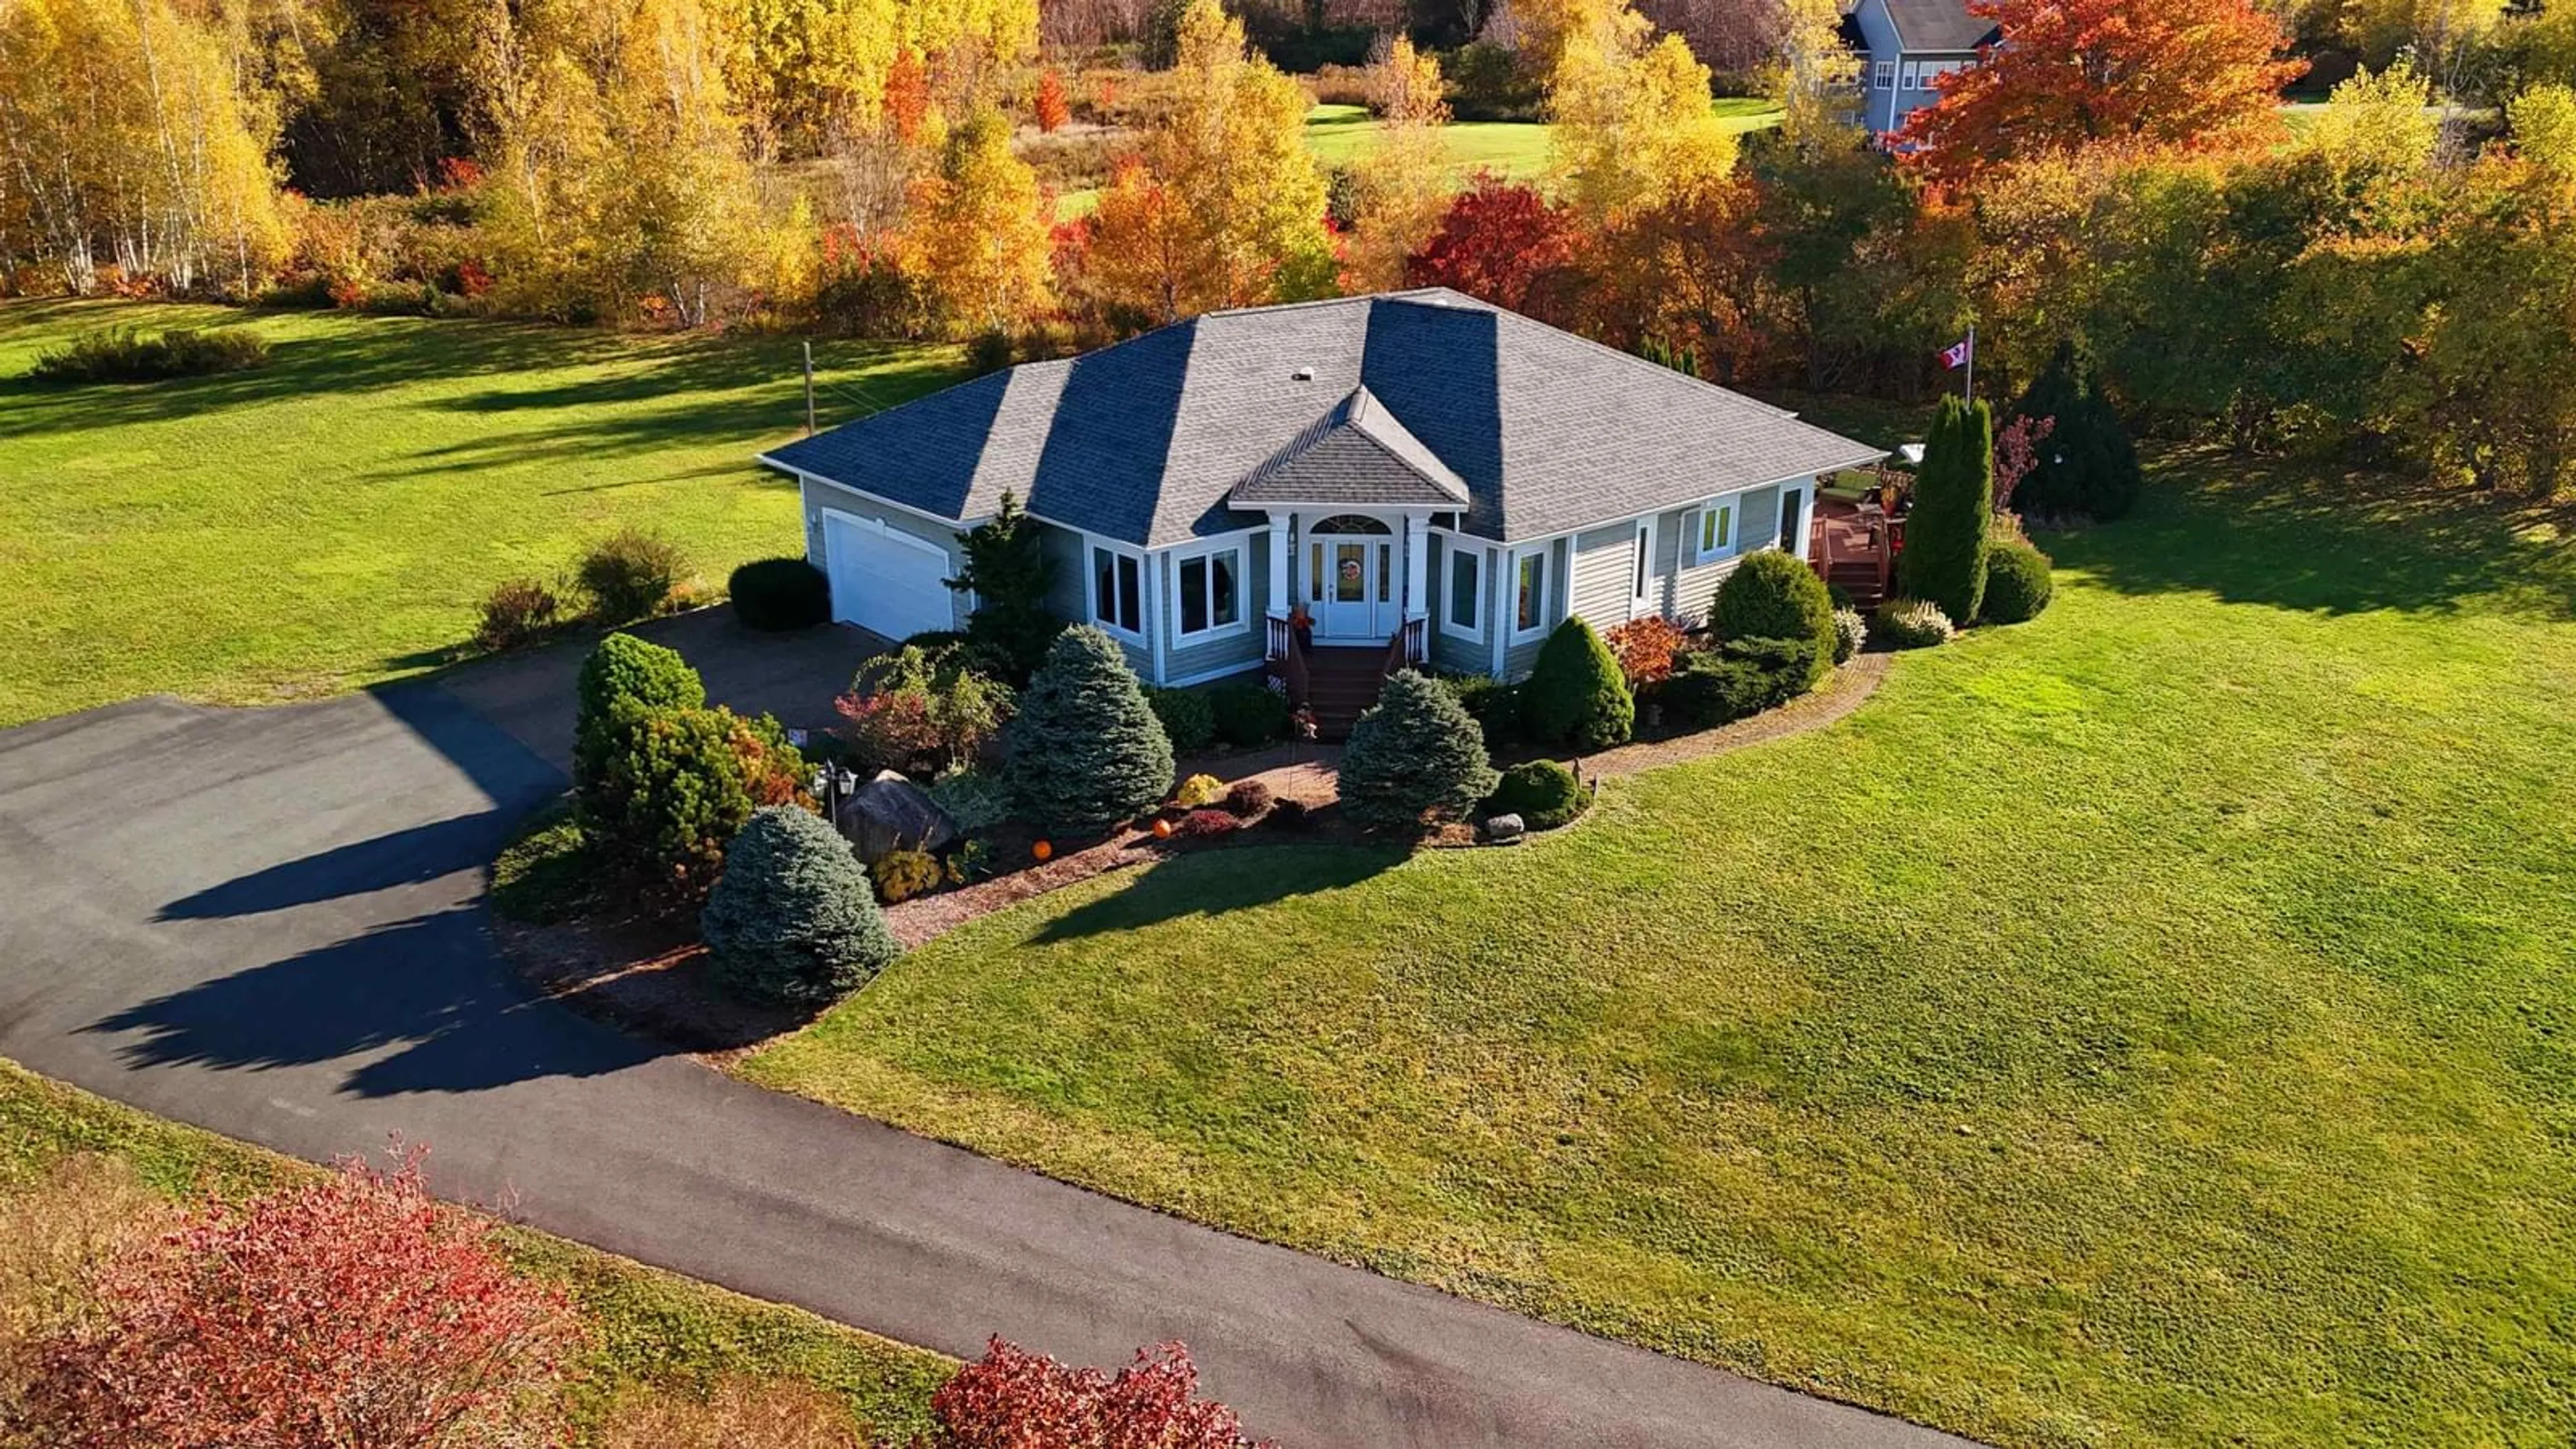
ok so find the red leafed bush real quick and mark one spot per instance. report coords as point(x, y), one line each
point(1013, 1399)
point(1209, 823)
point(354, 1311)
point(1645, 648)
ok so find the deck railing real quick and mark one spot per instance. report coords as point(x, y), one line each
point(1288, 661)
point(1411, 646)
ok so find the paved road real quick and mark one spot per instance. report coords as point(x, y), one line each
point(269, 923)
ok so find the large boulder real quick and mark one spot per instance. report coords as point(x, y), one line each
point(891, 813)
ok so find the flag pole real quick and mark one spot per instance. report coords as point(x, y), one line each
point(1972, 364)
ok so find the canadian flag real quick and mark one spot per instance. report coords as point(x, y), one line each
point(1960, 356)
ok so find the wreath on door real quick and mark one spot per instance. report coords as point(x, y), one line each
point(1350, 571)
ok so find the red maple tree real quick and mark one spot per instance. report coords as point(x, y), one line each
point(355, 1312)
point(1014, 1399)
point(1053, 110)
point(1495, 242)
point(2190, 75)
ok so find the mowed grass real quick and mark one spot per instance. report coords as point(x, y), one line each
point(648, 1328)
point(334, 519)
point(2155, 1023)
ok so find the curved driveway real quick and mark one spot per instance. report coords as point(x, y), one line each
point(269, 923)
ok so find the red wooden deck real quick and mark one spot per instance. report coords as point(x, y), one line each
point(1847, 545)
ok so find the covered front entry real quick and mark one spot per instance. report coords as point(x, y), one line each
point(1350, 580)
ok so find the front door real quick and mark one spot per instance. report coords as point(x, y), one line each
point(1357, 575)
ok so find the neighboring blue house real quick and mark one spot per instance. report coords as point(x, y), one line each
point(1905, 47)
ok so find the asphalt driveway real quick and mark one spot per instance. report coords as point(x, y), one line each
point(269, 923)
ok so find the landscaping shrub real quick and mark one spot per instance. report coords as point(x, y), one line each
point(675, 787)
point(1741, 678)
point(1772, 595)
point(630, 574)
point(1008, 573)
point(1543, 793)
point(976, 799)
point(1954, 499)
point(1199, 790)
point(1575, 695)
point(548, 873)
point(1911, 624)
point(1086, 753)
point(2018, 585)
point(1290, 814)
point(1645, 649)
point(2088, 464)
point(778, 594)
point(791, 919)
point(516, 612)
point(1203, 824)
point(1851, 634)
point(1492, 704)
point(1248, 715)
point(121, 354)
point(1010, 1398)
point(267, 1322)
point(1417, 751)
point(1188, 720)
point(1247, 799)
point(623, 669)
point(921, 710)
point(902, 874)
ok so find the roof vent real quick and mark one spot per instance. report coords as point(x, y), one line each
point(1303, 374)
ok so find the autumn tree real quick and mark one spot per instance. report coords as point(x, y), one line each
point(1498, 241)
point(1222, 206)
point(980, 230)
point(1635, 126)
point(1399, 189)
point(1813, 76)
point(352, 1311)
point(2183, 75)
point(1049, 107)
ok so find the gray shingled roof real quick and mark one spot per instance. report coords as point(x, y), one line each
point(1150, 440)
point(1938, 25)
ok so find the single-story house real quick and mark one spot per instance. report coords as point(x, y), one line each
point(1905, 47)
point(1417, 470)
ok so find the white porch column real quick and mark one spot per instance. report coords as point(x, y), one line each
point(1417, 567)
point(1804, 500)
point(1279, 600)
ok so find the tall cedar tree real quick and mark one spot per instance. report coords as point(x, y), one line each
point(1417, 751)
point(1954, 497)
point(2088, 464)
point(1086, 753)
point(623, 669)
point(2192, 75)
point(1008, 573)
point(1576, 694)
point(792, 919)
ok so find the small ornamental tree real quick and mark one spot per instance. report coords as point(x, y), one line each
point(2087, 464)
point(1496, 242)
point(1945, 536)
point(1051, 107)
point(676, 788)
point(1086, 753)
point(1771, 595)
point(353, 1311)
point(1013, 1399)
point(623, 668)
point(1576, 693)
point(1415, 752)
point(792, 919)
point(1008, 573)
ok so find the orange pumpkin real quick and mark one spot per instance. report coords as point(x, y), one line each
point(1162, 830)
point(1042, 850)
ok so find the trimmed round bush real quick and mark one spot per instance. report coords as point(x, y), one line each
point(623, 669)
point(1209, 823)
point(1774, 596)
point(1416, 751)
point(1189, 722)
point(1851, 634)
point(2018, 584)
point(1577, 694)
point(1198, 791)
point(1911, 624)
point(1248, 715)
point(775, 595)
point(1086, 753)
point(1247, 799)
point(630, 574)
point(791, 920)
point(674, 788)
point(516, 612)
point(1543, 793)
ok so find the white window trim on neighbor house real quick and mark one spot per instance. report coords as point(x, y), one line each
point(1241, 623)
point(1455, 547)
point(1093, 545)
point(1641, 570)
point(1883, 75)
point(1695, 539)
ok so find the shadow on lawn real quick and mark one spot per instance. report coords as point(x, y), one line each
point(1213, 882)
point(2320, 537)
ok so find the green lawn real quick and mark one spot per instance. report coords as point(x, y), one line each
point(335, 518)
point(648, 1327)
point(2153, 1023)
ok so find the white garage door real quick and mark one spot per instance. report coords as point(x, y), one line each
point(885, 581)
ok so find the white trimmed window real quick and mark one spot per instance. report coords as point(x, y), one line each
point(1714, 531)
point(1529, 594)
point(1641, 571)
point(1461, 611)
point(1913, 76)
point(1118, 591)
point(1210, 589)
point(1884, 74)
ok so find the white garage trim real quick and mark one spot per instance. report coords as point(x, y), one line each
point(902, 603)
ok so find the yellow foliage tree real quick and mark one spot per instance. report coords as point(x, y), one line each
point(1635, 126)
point(1815, 77)
point(1400, 189)
point(980, 230)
